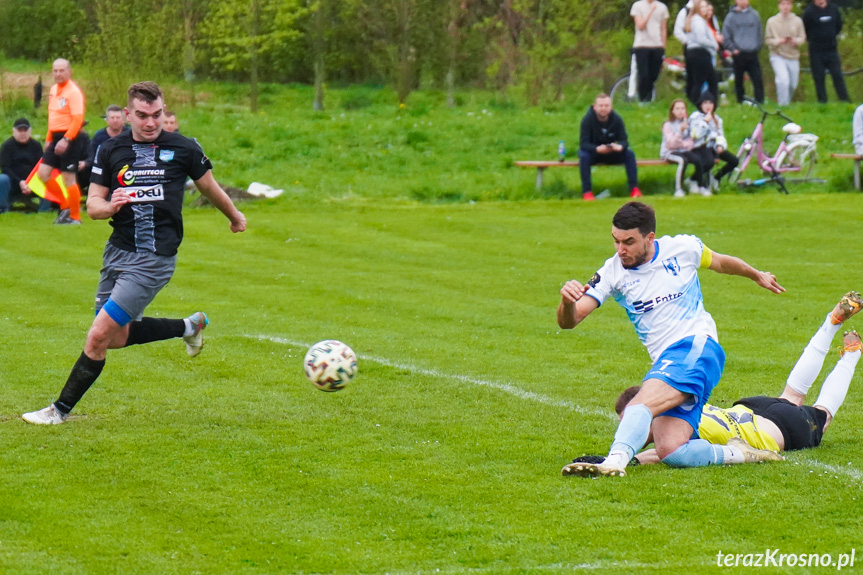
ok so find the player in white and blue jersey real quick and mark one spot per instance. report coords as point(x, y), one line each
point(656, 282)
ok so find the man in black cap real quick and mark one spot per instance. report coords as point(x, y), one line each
point(18, 156)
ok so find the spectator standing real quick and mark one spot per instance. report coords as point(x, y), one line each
point(682, 37)
point(783, 35)
point(115, 121)
point(604, 141)
point(651, 34)
point(170, 123)
point(744, 39)
point(702, 46)
point(677, 147)
point(18, 156)
point(857, 125)
point(64, 148)
point(823, 23)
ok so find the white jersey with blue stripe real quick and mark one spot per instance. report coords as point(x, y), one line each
point(662, 297)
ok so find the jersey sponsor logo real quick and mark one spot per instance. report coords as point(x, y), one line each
point(594, 280)
point(96, 170)
point(166, 155)
point(146, 194)
point(632, 283)
point(126, 177)
point(145, 155)
point(646, 306)
point(671, 266)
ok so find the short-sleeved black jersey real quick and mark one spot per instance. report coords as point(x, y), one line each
point(154, 175)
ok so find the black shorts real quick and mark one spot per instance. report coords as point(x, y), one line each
point(802, 426)
point(68, 162)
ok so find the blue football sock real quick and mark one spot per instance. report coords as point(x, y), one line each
point(633, 431)
point(696, 453)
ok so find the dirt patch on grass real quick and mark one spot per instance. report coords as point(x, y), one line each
point(12, 82)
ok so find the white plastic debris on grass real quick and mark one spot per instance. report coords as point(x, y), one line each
point(260, 190)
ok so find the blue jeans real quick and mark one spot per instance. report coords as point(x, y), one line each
point(588, 159)
point(7, 195)
point(5, 187)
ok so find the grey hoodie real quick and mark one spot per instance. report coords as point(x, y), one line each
point(742, 30)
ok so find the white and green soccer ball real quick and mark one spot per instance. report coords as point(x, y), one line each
point(330, 365)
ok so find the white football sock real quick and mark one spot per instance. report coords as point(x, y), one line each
point(809, 365)
point(190, 329)
point(835, 387)
point(732, 455)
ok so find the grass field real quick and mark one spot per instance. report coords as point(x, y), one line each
point(444, 455)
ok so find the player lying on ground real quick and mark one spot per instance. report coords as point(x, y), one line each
point(779, 423)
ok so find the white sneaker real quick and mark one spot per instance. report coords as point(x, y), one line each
point(593, 470)
point(693, 187)
point(195, 342)
point(753, 455)
point(48, 416)
point(714, 184)
point(679, 193)
point(705, 191)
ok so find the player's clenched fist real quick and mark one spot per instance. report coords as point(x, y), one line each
point(572, 291)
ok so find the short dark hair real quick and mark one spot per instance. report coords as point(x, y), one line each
point(625, 398)
point(113, 108)
point(147, 92)
point(169, 114)
point(633, 215)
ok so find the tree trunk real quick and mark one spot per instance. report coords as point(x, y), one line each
point(320, 69)
point(253, 58)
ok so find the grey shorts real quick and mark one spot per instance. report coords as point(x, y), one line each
point(130, 281)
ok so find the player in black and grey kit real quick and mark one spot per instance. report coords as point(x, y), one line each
point(138, 182)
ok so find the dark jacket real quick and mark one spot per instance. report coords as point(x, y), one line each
point(823, 26)
point(595, 133)
point(17, 160)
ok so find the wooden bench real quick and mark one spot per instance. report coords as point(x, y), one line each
point(542, 165)
point(857, 159)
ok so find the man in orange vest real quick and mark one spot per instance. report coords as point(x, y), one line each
point(64, 147)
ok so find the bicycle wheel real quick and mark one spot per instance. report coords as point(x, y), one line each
point(798, 157)
point(620, 91)
point(744, 154)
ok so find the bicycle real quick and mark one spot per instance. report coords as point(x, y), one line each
point(671, 82)
point(796, 153)
point(625, 88)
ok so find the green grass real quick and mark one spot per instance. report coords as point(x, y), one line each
point(365, 145)
point(435, 154)
point(444, 455)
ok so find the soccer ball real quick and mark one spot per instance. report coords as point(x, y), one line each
point(330, 365)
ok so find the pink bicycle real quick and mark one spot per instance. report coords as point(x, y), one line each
point(796, 153)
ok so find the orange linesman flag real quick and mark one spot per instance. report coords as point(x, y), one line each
point(53, 190)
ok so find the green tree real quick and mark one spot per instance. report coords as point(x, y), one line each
point(244, 35)
point(135, 40)
point(396, 33)
point(42, 29)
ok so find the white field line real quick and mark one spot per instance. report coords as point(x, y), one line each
point(505, 387)
point(847, 471)
point(828, 468)
point(558, 567)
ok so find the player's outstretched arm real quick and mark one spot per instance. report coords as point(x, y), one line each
point(211, 189)
point(574, 307)
point(99, 207)
point(737, 267)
